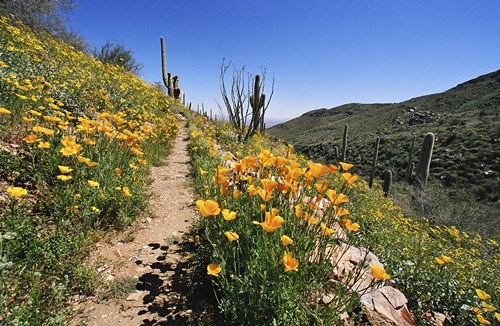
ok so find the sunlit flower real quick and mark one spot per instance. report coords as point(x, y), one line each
point(203, 172)
point(228, 215)
point(320, 187)
point(349, 178)
point(349, 225)
point(43, 144)
point(118, 172)
point(31, 139)
point(487, 306)
point(132, 166)
point(17, 191)
point(43, 130)
point(208, 207)
point(231, 236)
point(126, 191)
point(379, 273)
point(4, 111)
point(68, 151)
point(64, 169)
point(346, 166)
point(93, 184)
point(340, 211)
point(213, 269)
point(482, 320)
point(291, 264)
point(271, 222)
point(236, 194)
point(64, 177)
point(95, 209)
point(325, 229)
point(286, 240)
point(336, 198)
point(482, 295)
point(317, 169)
point(497, 316)
point(298, 211)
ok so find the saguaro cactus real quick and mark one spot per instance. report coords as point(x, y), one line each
point(386, 186)
point(411, 165)
point(374, 163)
point(343, 155)
point(424, 162)
point(167, 77)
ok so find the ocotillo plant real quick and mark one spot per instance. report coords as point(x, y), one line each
point(410, 166)
point(386, 186)
point(424, 162)
point(343, 155)
point(167, 77)
point(374, 163)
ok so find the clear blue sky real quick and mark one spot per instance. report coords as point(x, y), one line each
point(322, 53)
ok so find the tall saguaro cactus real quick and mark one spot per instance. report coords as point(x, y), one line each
point(257, 101)
point(342, 156)
point(424, 162)
point(410, 166)
point(374, 163)
point(167, 77)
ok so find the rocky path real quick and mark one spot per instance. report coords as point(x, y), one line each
point(146, 268)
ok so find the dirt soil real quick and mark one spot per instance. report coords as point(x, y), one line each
point(153, 257)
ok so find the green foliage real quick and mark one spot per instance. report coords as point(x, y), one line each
point(117, 54)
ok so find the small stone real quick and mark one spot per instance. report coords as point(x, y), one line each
point(117, 253)
point(134, 296)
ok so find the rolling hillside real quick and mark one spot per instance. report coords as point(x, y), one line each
point(465, 120)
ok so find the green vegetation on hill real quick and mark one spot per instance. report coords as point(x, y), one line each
point(465, 120)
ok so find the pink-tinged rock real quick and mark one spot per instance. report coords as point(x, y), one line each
point(379, 307)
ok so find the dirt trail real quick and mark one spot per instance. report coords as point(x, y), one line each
point(154, 262)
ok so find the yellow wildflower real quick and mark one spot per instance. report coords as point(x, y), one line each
point(291, 264)
point(4, 111)
point(286, 240)
point(482, 295)
point(64, 169)
point(379, 273)
point(17, 191)
point(93, 184)
point(213, 269)
point(231, 236)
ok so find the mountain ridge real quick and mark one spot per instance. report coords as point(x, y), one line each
point(464, 118)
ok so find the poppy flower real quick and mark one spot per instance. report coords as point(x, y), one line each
point(4, 111)
point(286, 240)
point(325, 229)
point(317, 169)
point(346, 166)
point(379, 273)
point(482, 295)
point(208, 207)
point(291, 264)
point(126, 191)
point(43, 144)
point(64, 169)
point(17, 191)
point(31, 139)
point(482, 320)
point(271, 222)
point(213, 269)
point(228, 215)
point(64, 177)
point(231, 236)
point(349, 225)
point(93, 184)
point(336, 198)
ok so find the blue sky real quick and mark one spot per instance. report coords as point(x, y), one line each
point(321, 53)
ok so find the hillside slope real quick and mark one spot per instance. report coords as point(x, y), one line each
point(465, 120)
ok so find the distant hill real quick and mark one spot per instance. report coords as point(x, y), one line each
point(465, 120)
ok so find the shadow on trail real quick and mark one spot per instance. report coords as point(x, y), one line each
point(175, 296)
